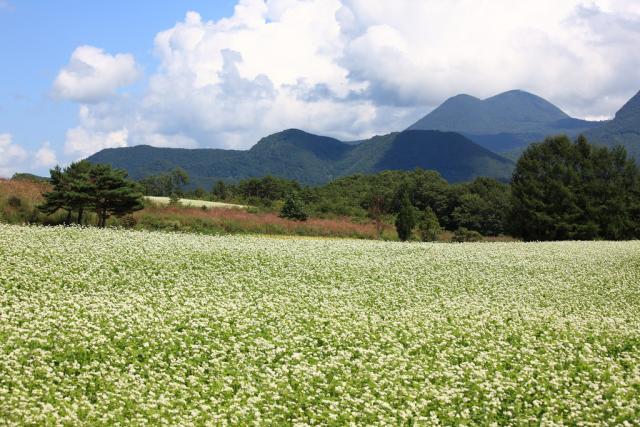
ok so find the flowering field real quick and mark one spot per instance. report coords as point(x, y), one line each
point(103, 326)
point(193, 203)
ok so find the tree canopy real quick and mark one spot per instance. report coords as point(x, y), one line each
point(83, 186)
point(563, 190)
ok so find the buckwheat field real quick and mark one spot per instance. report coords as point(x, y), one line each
point(108, 327)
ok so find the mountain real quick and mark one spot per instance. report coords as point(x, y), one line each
point(454, 156)
point(624, 129)
point(503, 123)
point(313, 159)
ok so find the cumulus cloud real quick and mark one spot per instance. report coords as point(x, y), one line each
point(81, 142)
point(92, 75)
point(45, 156)
point(353, 68)
point(573, 53)
point(14, 158)
point(11, 155)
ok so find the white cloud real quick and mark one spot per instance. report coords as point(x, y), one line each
point(353, 68)
point(45, 157)
point(11, 155)
point(571, 52)
point(14, 158)
point(93, 75)
point(81, 142)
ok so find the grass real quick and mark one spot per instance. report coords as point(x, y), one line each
point(19, 200)
point(239, 221)
point(107, 327)
point(191, 216)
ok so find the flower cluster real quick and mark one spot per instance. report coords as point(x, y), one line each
point(108, 327)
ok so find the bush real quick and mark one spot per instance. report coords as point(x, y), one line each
point(128, 221)
point(293, 209)
point(464, 235)
point(429, 226)
point(14, 202)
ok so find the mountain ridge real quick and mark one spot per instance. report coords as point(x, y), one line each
point(507, 121)
point(623, 129)
point(510, 121)
point(313, 159)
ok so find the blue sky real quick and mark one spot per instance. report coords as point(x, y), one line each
point(80, 76)
point(37, 37)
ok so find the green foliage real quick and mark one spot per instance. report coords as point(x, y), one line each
point(14, 202)
point(165, 184)
point(429, 226)
point(83, 186)
point(405, 220)
point(294, 209)
point(113, 193)
point(483, 207)
point(72, 190)
point(174, 199)
point(266, 189)
point(199, 193)
point(462, 234)
point(29, 177)
point(376, 205)
point(219, 190)
point(563, 190)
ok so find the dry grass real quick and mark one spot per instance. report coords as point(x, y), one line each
point(25, 190)
point(225, 220)
point(19, 200)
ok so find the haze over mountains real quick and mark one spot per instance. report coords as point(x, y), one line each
point(463, 138)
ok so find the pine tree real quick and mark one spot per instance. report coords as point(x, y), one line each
point(80, 187)
point(114, 194)
point(56, 199)
point(71, 190)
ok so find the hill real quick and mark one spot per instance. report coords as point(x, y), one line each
point(312, 159)
point(505, 122)
point(624, 129)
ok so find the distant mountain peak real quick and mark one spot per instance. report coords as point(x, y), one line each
point(292, 132)
point(504, 123)
point(515, 92)
point(463, 97)
point(522, 96)
point(623, 130)
point(630, 110)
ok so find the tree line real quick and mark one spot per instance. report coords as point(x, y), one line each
point(561, 189)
